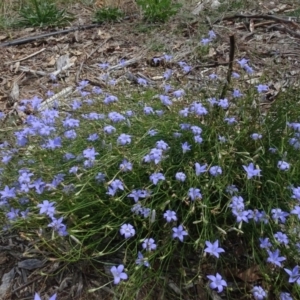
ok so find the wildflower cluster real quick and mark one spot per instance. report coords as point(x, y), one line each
point(158, 184)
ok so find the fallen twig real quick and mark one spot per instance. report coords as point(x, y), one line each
point(284, 29)
point(267, 17)
point(24, 58)
point(40, 36)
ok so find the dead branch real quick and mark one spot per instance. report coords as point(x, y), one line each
point(230, 66)
point(40, 36)
point(267, 17)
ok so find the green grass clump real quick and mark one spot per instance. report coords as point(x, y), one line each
point(91, 177)
point(158, 10)
point(108, 14)
point(40, 13)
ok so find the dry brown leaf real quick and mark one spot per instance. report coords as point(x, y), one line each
point(103, 35)
point(250, 275)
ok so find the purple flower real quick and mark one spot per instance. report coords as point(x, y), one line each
point(110, 99)
point(76, 104)
point(279, 215)
point(70, 123)
point(179, 93)
point(103, 66)
point(162, 145)
point(196, 130)
point(8, 193)
point(185, 126)
point(180, 176)
point(126, 165)
point(230, 121)
point(213, 248)
point(116, 117)
point(198, 139)
point(248, 69)
point(12, 214)
point(167, 57)
point(58, 226)
point(217, 282)
point(93, 137)
point(149, 244)
point(186, 69)
point(256, 136)
point(141, 260)
point(243, 62)
point(283, 165)
point(136, 195)
point(281, 238)
point(212, 34)
point(236, 93)
point(37, 297)
point(152, 132)
point(296, 211)
point(47, 208)
point(124, 139)
point(262, 88)
point(285, 296)
point(231, 189)
point(215, 170)
point(179, 232)
point(148, 110)
point(213, 101)
point(127, 230)
point(296, 193)
point(97, 90)
point(259, 293)
point(294, 275)
point(223, 103)
point(52, 143)
point(156, 177)
point(222, 139)
point(100, 177)
point(118, 273)
point(142, 81)
point(241, 215)
point(194, 193)
point(235, 75)
point(200, 169)
point(251, 171)
point(265, 243)
point(295, 126)
point(170, 215)
point(185, 147)
point(205, 41)
point(184, 112)
point(167, 74)
point(274, 258)
point(155, 155)
point(165, 100)
point(109, 129)
point(90, 153)
point(70, 134)
point(168, 88)
point(213, 76)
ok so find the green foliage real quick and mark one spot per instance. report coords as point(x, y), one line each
point(108, 14)
point(43, 13)
point(158, 10)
